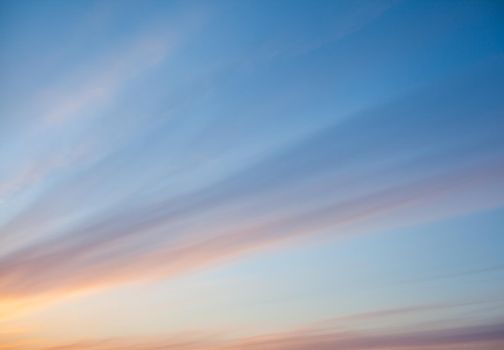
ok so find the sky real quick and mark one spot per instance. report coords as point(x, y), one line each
point(253, 175)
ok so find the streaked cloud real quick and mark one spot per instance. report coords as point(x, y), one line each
point(358, 144)
point(278, 199)
point(485, 336)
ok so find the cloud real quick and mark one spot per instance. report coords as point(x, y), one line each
point(60, 138)
point(480, 336)
point(101, 87)
point(344, 23)
point(405, 168)
point(115, 253)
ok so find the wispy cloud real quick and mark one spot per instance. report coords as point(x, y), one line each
point(281, 197)
point(60, 135)
point(174, 146)
point(482, 336)
point(102, 87)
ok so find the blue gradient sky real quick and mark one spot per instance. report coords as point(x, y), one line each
point(251, 175)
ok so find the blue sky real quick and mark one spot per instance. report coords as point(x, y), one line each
point(251, 174)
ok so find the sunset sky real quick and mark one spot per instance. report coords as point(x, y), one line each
point(251, 175)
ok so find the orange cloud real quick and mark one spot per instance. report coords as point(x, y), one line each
point(63, 268)
point(482, 337)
